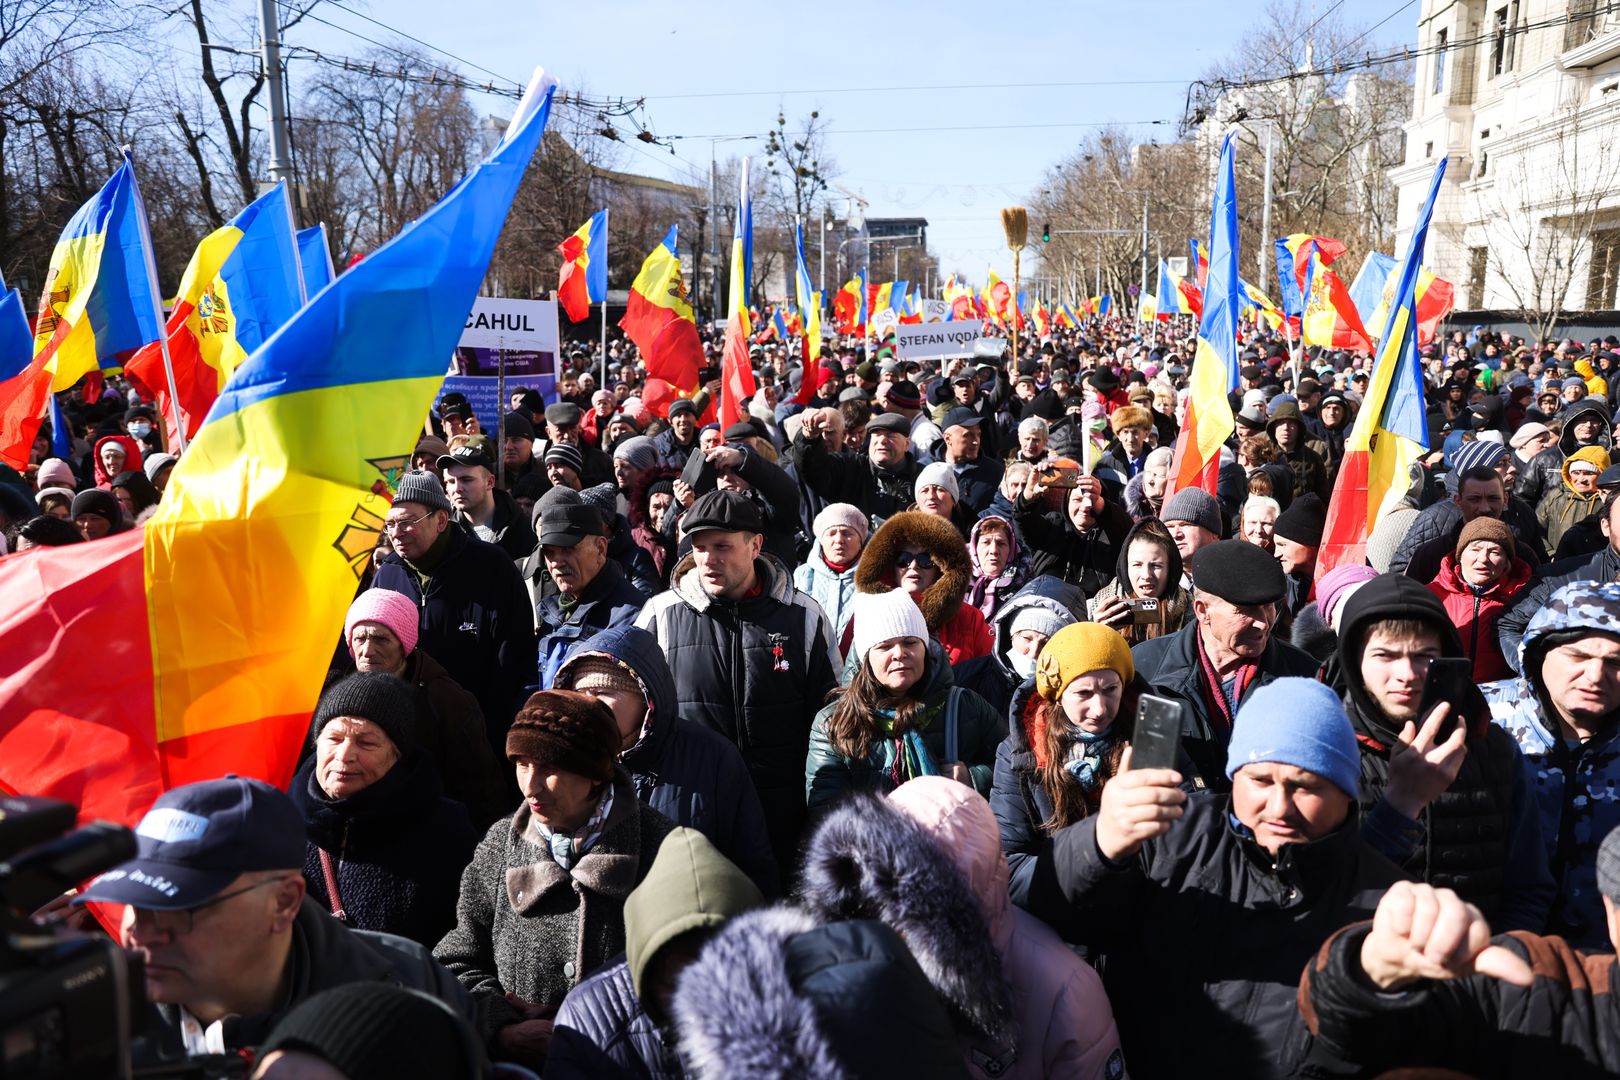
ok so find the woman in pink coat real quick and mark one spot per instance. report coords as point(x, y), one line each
point(1065, 1025)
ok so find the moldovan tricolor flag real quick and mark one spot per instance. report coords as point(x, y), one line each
point(582, 281)
point(96, 309)
point(243, 282)
point(810, 306)
point(658, 318)
point(1391, 432)
point(1215, 362)
point(1373, 288)
point(736, 372)
point(197, 646)
point(1331, 320)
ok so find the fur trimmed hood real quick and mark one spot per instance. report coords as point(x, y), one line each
point(777, 994)
point(938, 537)
point(869, 860)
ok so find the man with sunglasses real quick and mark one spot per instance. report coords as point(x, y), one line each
point(477, 619)
point(215, 908)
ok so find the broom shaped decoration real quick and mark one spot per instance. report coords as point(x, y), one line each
point(1015, 223)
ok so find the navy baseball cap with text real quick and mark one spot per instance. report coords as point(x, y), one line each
point(198, 838)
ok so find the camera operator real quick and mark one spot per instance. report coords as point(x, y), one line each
point(216, 910)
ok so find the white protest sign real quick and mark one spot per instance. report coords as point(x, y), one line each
point(511, 324)
point(935, 310)
point(918, 341)
point(883, 321)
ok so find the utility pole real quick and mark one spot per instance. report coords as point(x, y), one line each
point(823, 286)
point(714, 241)
point(1144, 248)
point(280, 158)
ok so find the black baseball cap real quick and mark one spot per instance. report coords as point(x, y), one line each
point(455, 404)
point(474, 451)
point(726, 511)
point(566, 524)
point(961, 416)
point(198, 838)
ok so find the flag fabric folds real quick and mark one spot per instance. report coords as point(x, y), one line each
point(582, 280)
point(231, 597)
point(736, 371)
point(1331, 320)
point(1371, 292)
point(810, 308)
point(1215, 360)
point(316, 255)
point(241, 286)
point(25, 385)
point(659, 319)
point(1391, 432)
point(1294, 253)
point(98, 305)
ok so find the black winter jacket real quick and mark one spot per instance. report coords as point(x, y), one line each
point(1562, 1025)
point(756, 671)
point(1085, 559)
point(513, 533)
point(1170, 666)
point(852, 478)
point(608, 1034)
point(684, 770)
point(1480, 837)
point(476, 621)
point(1510, 628)
point(1204, 926)
point(397, 848)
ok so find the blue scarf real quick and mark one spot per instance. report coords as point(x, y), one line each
point(1086, 754)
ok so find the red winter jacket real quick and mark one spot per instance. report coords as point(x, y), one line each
point(1475, 616)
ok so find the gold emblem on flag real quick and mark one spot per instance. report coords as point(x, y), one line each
point(50, 302)
point(391, 468)
point(213, 314)
point(359, 538)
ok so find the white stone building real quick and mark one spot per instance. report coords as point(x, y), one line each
point(1522, 97)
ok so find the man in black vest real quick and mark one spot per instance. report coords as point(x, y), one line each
point(1454, 811)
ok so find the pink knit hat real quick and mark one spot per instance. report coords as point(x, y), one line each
point(54, 472)
point(1336, 585)
point(391, 609)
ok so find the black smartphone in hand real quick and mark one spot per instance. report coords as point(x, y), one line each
point(1451, 680)
point(1156, 741)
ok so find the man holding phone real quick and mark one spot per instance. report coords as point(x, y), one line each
point(1207, 907)
point(1444, 793)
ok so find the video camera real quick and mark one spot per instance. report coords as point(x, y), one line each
point(68, 1000)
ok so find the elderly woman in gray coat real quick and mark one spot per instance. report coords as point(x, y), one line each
point(542, 903)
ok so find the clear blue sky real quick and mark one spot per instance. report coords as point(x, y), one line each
point(970, 151)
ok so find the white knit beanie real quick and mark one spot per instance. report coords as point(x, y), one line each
point(841, 514)
point(881, 617)
point(939, 474)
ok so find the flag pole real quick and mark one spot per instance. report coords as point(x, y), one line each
point(157, 300)
point(298, 256)
point(606, 210)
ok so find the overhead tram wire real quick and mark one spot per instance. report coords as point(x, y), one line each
point(426, 45)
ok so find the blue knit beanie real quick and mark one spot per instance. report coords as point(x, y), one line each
point(1297, 722)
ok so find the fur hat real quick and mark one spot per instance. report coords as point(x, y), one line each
point(391, 609)
point(569, 730)
point(935, 535)
point(385, 700)
point(1077, 649)
point(880, 617)
point(869, 860)
point(1130, 416)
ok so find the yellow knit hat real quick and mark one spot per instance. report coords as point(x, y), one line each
point(1077, 649)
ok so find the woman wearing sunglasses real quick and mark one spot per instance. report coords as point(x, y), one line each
point(924, 556)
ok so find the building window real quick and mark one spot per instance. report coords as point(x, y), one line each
point(1484, 163)
point(1604, 272)
point(1439, 61)
point(1512, 34)
point(1476, 276)
point(1499, 44)
point(1582, 24)
point(1428, 150)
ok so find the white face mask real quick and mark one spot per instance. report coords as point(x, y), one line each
point(140, 429)
point(1023, 665)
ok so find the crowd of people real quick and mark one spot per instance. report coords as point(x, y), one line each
point(803, 746)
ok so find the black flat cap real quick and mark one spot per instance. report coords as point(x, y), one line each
point(726, 511)
point(1239, 573)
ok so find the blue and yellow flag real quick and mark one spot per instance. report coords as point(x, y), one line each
point(98, 306)
point(316, 255)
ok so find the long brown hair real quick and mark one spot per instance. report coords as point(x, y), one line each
point(854, 725)
point(1071, 802)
